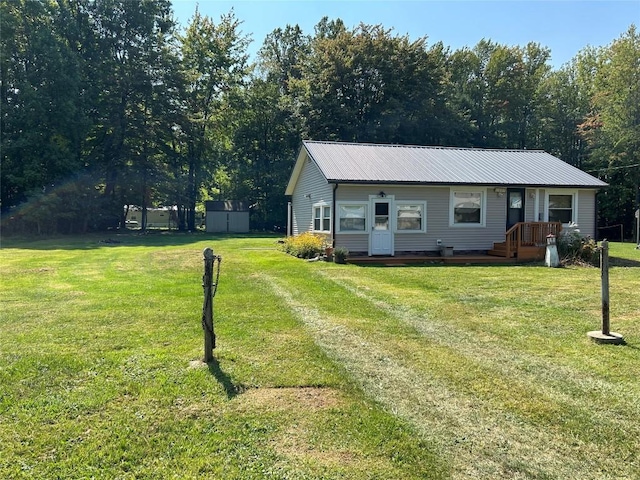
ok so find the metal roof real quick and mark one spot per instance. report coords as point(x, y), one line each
point(225, 206)
point(378, 163)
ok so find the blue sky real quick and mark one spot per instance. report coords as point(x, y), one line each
point(564, 26)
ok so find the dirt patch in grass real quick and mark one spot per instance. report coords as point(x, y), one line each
point(298, 399)
point(296, 443)
point(301, 398)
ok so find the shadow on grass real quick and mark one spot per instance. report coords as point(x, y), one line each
point(623, 262)
point(230, 388)
point(128, 238)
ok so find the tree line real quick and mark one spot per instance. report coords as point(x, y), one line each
point(108, 103)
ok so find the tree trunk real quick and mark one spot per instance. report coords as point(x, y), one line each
point(191, 197)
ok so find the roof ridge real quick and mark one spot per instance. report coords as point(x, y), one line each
point(429, 147)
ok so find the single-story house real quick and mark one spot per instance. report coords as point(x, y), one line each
point(226, 216)
point(384, 200)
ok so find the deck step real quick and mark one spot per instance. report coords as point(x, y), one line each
point(500, 250)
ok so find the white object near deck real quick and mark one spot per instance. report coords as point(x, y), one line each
point(551, 258)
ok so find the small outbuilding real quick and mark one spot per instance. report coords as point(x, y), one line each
point(163, 217)
point(226, 216)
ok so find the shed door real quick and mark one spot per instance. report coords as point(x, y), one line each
point(381, 240)
point(515, 206)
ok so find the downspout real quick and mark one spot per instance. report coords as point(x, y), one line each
point(333, 216)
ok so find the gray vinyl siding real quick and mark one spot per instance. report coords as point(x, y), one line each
point(529, 205)
point(354, 242)
point(437, 198)
point(586, 215)
point(540, 202)
point(587, 212)
point(312, 183)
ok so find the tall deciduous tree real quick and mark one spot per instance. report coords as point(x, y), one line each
point(41, 121)
point(214, 61)
point(265, 145)
point(498, 89)
point(368, 85)
point(128, 44)
point(612, 128)
point(283, 56)
point(563, 104)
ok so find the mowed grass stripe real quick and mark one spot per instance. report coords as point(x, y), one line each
point(480, 441)
point(569, 386)
point(597, 414)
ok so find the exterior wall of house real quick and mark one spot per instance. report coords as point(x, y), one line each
point(437, 219)
point(530, 205)
point(587, 213)
point(312, 188)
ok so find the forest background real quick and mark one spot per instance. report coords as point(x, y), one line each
point(106, 104)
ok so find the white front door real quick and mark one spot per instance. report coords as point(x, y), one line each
point(381, 239)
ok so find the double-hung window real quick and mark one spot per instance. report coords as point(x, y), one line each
point(411, 216)
point(352, 217)
point(561, 206)
point(322, 217)
point(467, 208)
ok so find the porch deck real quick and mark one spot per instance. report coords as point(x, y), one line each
point(400, 260)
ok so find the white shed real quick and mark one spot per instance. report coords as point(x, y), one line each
point(226, 216)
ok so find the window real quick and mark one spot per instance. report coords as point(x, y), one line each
point(561, 207)
point(410, 216)
point(467, 208)
point(352, 217)
point(322, 218)
point(515, 200)
point(382, 218)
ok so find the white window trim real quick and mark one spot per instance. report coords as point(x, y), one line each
point(321, 206)
point(574, 202)
point(366, 217)
point(483, 212)
point(422, 203)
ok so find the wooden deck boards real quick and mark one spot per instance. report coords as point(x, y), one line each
point(426, 260)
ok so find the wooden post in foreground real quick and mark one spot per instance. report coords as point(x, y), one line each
point(604, 275)
point(207, 307)
point(605, 336)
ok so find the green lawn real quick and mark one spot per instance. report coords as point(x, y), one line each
point(322, 371)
